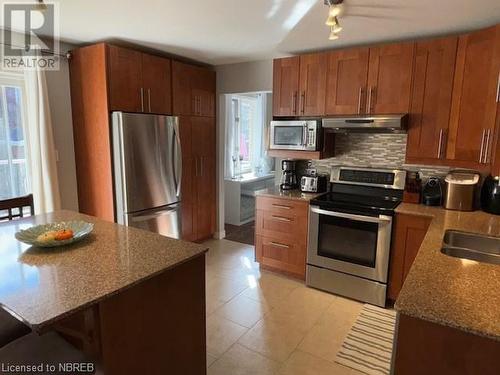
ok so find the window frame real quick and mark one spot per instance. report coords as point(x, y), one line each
point(236, 102)
point(12, 79)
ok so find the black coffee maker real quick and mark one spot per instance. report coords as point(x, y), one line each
point(289, 179)
point(490, 195)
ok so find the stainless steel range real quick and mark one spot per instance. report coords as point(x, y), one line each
point(350, 233)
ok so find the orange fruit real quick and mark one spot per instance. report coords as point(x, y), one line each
point(64, 234)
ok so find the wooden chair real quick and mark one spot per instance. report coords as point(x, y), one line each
point(20, 203)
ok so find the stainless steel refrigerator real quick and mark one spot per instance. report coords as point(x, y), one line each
point(147, 164)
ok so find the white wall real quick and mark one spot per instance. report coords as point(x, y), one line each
point(60, 109)
point(233, 79)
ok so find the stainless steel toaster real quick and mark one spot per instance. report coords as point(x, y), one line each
point(313, 184)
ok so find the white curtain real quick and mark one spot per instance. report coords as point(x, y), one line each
point(41, 149)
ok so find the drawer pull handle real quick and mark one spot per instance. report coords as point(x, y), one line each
point(281, 218)
point(277, 244)
point(281, 206)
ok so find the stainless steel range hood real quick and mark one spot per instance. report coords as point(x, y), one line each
point(367, 124)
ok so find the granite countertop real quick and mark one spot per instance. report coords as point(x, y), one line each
point(41, 286)
point(455, 292)
point(276, 192)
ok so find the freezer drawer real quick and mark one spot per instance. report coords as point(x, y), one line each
point(165, 221)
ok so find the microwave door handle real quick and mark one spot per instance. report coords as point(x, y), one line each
point(370, 219)
point(305, 142)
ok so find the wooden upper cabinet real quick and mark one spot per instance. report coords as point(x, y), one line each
point(431, 99)
point(193, 90)
point(125, 79)
point(286, 86)
point(389, 78)
point(346, 82)
point(312, 84)
point(157, 84)
point(139, 82)
point(474, 103)
point(203, 91)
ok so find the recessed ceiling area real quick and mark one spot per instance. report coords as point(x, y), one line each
point(231, 31)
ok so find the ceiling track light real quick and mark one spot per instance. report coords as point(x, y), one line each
point(332, 20)
point(41, 6)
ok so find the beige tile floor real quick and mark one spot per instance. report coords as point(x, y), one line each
point(261, 323)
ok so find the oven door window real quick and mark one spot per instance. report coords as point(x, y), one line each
point(348, 240)
point(289, 136)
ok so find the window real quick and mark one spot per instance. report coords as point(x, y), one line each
point(245, 112)
point(13, 167)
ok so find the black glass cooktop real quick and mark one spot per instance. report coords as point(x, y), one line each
point(354, 203)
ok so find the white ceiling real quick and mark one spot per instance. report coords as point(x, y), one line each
point(229, 31)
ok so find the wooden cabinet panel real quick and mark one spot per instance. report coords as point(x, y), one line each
point(389, 78)
point(181, 89)
point(156, 81)
point(282, 225)
point(409, 232)
point(125, 79)
point(286, 86)
point(431, 99)
point(193, 90)
point(281, 234)
point(474, 103)
point(203, 136)
point(312, 84)
point(89, 103)
point(198, 177)
point(203, 91)
point(346, 82)
point(281, 254)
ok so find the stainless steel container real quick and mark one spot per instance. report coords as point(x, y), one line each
point(460, 190)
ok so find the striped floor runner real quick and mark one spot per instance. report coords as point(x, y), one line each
point(368, 345)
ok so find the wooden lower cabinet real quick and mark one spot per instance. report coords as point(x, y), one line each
point(408, 234)
point(281, 235)
point(424, 347)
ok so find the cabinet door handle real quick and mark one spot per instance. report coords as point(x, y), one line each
point(281, 218)
point(149, 100)
point(369, 101)
point(282, 206)
point(277, 244)
point(487, 147)
point(201, 166)
point(440, 143)
point(481, 153)
point(199, 105)
point(359, 99)
point(142, 99)
point(498, 88)
point(303, 100)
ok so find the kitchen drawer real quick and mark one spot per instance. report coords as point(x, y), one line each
point(283, 225)
point(284, 255)
point(282, 206)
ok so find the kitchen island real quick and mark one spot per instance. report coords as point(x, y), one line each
point(132, 300)
point(449, 308)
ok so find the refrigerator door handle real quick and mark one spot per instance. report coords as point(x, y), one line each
point(138, 218)
point(177, 159)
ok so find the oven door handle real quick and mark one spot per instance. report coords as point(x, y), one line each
point(369, 219)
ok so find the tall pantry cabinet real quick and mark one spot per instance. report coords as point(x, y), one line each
point(106, 78)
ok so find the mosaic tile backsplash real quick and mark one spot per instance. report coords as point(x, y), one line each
point(374, 151)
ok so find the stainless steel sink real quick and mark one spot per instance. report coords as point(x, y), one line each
point(471, 246)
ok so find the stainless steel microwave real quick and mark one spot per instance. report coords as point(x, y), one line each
point(295, 135)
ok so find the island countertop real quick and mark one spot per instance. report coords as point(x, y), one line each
point(41, 286)
point(458, 293)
